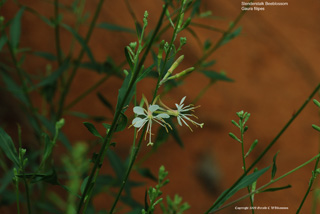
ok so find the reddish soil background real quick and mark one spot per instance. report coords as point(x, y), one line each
point(274, 63)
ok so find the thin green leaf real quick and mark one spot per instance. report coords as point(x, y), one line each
point(53, 77)
point(235, 123)
point(316, 127)
point(86, 116)
point(84, 184)
point(5, 181)
point(7, 145)
point(128, 57)
point(105, 102)
point(146, 172)
point(121, 123)
point(246, 117)
point(45, 55)
point(138, 29)
point(196, 8)
point(116, 164)
point(161, 137)
point(81, 41)
point(253, 145)
point(3, 41)
point(91, 128)
point(122, 92)
point(276, 188)
point(145, 73)
point(14, 88)
point(274, 166)
point(50, 125)
point(15, 29)
point(213, 75)
point(314, 100)
point(175, 134)
point(246, 181)
point(208, 64)
point(231, 36)
point(113, 27)
point(234, 137)
point(50, 177)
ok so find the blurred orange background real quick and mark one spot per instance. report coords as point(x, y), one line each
point(274, 63)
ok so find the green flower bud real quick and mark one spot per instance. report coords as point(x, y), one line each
point(145, 21)
point(182, 73)
point(133, 45)
point(183, 41)
point(60, 123)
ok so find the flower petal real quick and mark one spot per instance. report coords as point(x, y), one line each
point(153, 108)
point(139, 110)
point(182, 100)
point(138, 122)
point(162, 115)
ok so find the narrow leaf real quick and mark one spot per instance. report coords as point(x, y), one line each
point(113, 27)
point(128, 57)
point(14, 88)
point(175, 134)
point(91, 128)
point(121, 123)
point(105, 102)
point(316, 127)
point(15, 29)
point(246, 181)
point(3, 41)
point(45, 55)
point(145, 73)
point(235, 123)
point(316, 102)
point(116, 164)
point(122, 92)
point(276, 188)
point(213, 75)
point(234, 137)
point(53, 77)
point(146, 172)
point(274, 166)
point(8, 148)
point(81, 41)
point(231, 36)
point(253, 145)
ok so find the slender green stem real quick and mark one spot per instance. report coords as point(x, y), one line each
point(222, 38)
point(88, 91)
point(106, 142)
point(132, 160)
point(27, 192)
point(314, 175)
point(203, 91)
point(78, 15)
point(78, 62)
point(57, 31)
point(17, 194)
point(207, 27)
point(267, 148)
point(174, 36)
point(260, 189)
point(242, 127)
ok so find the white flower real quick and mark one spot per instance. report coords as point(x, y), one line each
point(183, 113)
point(146, 117)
